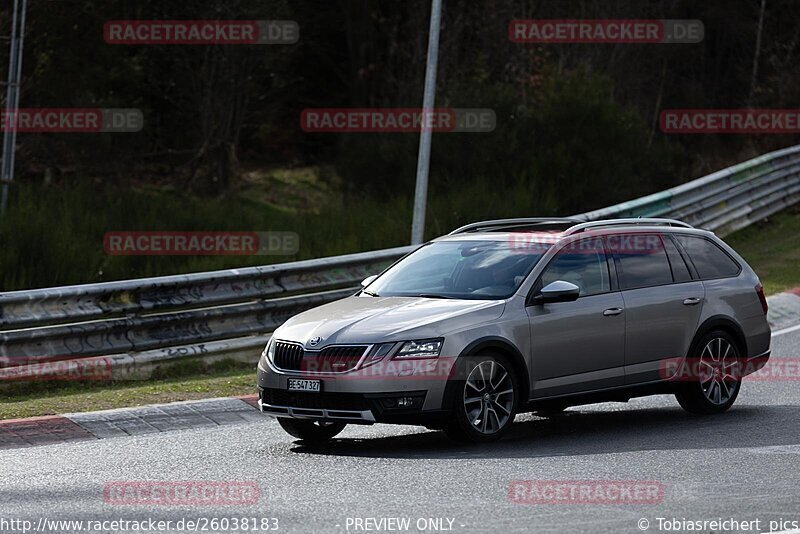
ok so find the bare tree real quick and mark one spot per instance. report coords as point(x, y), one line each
point(757, 53)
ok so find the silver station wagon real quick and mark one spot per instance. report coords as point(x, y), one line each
point(523, 315)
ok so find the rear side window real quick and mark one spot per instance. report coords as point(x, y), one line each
point(680, 272)
point(708, 258)
point(641, 260)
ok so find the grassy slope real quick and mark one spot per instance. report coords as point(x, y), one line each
point(54, 398)
point(773, 249)
point(53, 236)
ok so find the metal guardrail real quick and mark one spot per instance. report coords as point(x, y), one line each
point(131, 327)
point(726, 200)
point(131, 324)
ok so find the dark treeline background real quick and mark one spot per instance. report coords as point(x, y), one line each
point(222, 146)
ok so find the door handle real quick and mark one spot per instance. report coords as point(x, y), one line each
point(612, 311)
point(691, 301)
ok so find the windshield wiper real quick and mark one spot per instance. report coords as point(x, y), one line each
point(432, 296)
point(370, 293)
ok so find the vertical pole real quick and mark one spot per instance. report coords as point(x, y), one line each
point(12, 99)
point(426, 134)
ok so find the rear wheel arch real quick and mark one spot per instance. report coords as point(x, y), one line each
point(722, 322)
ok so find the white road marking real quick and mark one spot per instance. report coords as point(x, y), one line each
point(786, 330)
point(775, 449)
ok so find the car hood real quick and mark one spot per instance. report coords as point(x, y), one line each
point(382, 319)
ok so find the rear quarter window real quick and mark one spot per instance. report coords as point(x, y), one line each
point(680, 271)
point(708, 258)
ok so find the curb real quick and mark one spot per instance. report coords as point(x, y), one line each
point(16, 433)
point(784, 309)
point(151, 419)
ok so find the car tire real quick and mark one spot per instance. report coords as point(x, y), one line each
point(484, 408)
point(716, 353)
point(311, 431)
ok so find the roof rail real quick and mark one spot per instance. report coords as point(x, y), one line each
point(506, 224)
point(626, 222)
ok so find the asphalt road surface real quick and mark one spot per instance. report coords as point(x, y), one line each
point(743, 465)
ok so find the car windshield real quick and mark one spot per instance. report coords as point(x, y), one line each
point(475, 270)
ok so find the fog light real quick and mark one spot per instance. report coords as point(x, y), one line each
point(405, 402)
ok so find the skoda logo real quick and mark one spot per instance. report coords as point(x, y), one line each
point(314, 341)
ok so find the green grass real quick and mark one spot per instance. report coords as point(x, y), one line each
point(772, 249)
point(53, 235)
point(52, 398)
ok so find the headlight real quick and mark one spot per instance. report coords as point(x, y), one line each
point(427, 348)
point(269, 352)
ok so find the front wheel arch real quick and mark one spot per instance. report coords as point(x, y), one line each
point(461, 426)
point(498, 345)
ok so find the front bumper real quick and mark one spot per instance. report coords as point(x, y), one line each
point(350, 407)
point(354, 408)
point(364, 396)
point(318, 414)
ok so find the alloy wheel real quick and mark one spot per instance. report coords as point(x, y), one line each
point(719, 371)
point(488, 397)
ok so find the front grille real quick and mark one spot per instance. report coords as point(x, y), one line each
point(338, 359)
point(333, 359)
point(328, 401)
point(288, 356)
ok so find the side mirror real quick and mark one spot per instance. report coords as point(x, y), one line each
point(368, 280)
point(558, 291)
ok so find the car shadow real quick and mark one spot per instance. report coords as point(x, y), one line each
point(577, 433)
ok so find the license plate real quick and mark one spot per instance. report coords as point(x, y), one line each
point(300, 384)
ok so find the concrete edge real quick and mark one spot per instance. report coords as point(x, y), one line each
point(133, 421)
